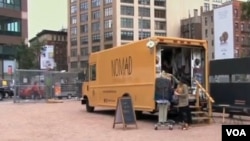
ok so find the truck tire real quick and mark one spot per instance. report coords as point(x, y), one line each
point(89, 108)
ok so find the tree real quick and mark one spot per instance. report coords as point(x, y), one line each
point(245, 10)
point(29, 57)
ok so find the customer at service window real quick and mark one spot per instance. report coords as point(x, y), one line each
point(183, 104)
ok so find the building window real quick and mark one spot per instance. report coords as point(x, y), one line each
point(205, 21)
point(242, 27)
point(127, 35)
point(160, 34)
point(219, 1)
point(108, 46)
point(236, 12)
point(73, 30)
point(126, 22)
point(84, 64)
point(10, 26)
point(73, 20)
point(212, 42)
point(127, 1)
point(212, 31)
point(73, 41)
point(145, 24)
point(144, 12)
point(73, 64)
point(236, 26)
point(95, 3)
point(73, 9)
point(11, 4)
point(206, 33)
point(84, 28)
point(95, 48)
point(127, 10)
point(143, 35)
point(84, 17)
point(160, 25)
point(73, 1)
point(107, 24)
point(237, 39)
point(96, 14)
point(108, 36)
point(215, 6)
point(84, 51)
point(160, 13)
point(160, 2)
point(84, 6)
point(96, 38)
point(212, 19)
point(144, 2)
point(108, 1)
point(206, 7)
point(84, 40)
point(108, 11)
point(73, 52)
point(95, 26)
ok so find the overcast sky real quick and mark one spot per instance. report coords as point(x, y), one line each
point(46, 14)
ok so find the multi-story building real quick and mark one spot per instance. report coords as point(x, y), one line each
point(211, 4)
point(13, 29)
point(100, 24)
point(58, 39)
point(191, 27)
point(238, 30)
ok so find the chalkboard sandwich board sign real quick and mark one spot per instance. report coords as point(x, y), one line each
point(125, 113)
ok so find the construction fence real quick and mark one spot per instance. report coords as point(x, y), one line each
point(38, 85)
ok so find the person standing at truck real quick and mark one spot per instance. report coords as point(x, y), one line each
point(183, 104)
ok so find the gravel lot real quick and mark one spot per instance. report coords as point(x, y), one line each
point(68, 121)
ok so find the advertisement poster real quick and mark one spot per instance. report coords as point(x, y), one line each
point(223, 33)
point(47, 57)
point(8, 66)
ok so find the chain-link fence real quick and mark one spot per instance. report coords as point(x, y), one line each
point(40, 85)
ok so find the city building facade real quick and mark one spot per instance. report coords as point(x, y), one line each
point(238, 29)
point(95, 25)
point(13, 30)
point(191, 27)
point(56, 39)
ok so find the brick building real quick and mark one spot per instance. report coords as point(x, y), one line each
point(13, 31)
point(59, 40)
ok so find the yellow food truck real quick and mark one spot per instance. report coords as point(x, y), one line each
point(132, 69)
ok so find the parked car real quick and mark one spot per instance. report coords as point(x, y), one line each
point(6, 92)
point(2, 94)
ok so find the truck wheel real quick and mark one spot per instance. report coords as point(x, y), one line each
point(89, 108)
point(139, 115)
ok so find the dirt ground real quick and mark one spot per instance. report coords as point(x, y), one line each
point(68, 121)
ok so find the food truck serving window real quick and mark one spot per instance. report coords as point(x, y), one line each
point(93, 72)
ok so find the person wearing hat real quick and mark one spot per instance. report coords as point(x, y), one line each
point(183, 104)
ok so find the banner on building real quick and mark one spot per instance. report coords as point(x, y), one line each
point(47, 57)
point(223, 32)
